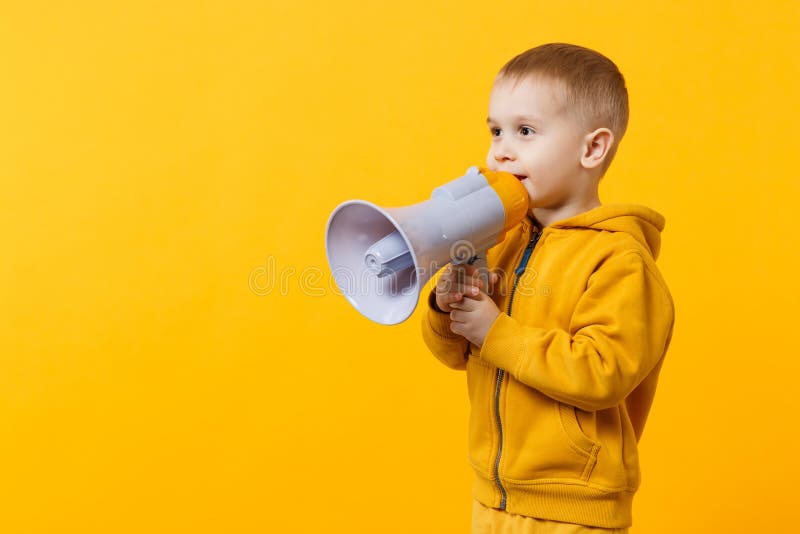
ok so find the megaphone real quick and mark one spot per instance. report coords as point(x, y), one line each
point(381, 258)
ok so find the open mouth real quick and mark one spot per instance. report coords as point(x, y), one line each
point(520, 177)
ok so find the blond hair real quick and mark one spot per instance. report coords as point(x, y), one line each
point(594, 88)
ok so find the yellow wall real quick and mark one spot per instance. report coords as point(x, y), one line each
point(158, 159)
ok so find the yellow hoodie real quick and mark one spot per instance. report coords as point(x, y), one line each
point(562, 386)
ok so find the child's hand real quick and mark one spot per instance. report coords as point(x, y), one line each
point(456, 282)
point(473, 317)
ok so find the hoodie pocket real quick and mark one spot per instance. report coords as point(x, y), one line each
point(543, 439)
point(582, 443)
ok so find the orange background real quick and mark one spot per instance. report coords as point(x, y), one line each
point(164, 165)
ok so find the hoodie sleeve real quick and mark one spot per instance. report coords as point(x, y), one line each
point(619, 331)
point(448, 347)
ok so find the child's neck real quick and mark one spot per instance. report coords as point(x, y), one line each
point(546, 216)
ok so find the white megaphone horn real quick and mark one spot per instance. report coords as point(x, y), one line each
point(381, 258)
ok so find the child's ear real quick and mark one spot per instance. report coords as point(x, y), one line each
point(595, 147)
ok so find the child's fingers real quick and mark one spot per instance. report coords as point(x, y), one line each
point(448, 301)
point(460, 292)
point(464, 291)
point(467, 305)
point(472, 275)
point(457, 294)
point(477, 275)
point(449, 284)
point(472, 291)
point(452, 298)
point(494, 278)
point(447, 280)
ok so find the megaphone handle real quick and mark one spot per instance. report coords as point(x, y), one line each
point(479, 262)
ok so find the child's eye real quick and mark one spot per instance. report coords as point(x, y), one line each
point(495, 131)
point(526, 130)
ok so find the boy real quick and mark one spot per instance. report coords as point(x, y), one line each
point(563, 349)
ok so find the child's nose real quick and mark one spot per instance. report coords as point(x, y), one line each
point(503, 153)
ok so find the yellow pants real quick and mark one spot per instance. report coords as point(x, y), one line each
point(490, 521)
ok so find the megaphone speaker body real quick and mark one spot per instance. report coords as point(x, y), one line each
point(381, 258)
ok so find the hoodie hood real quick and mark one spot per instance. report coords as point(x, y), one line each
point(641, 222)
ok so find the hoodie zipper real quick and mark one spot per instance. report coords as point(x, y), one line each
point(501, 373)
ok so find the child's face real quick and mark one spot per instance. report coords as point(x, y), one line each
point(535, 137)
